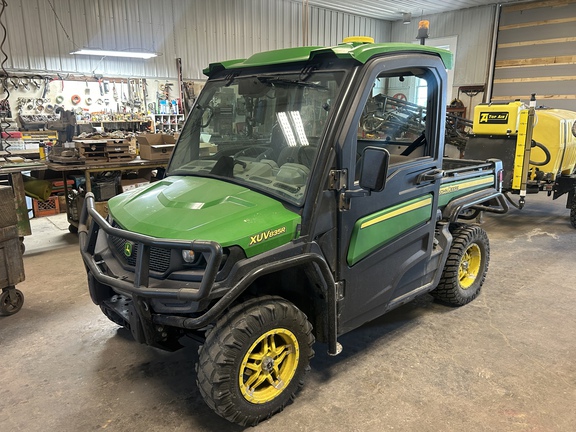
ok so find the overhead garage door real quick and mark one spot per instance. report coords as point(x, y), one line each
point(536, 53)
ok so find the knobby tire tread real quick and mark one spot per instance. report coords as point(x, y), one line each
point(216, 365)
point(448, 289)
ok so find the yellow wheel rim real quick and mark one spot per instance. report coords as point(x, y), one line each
point(269, 366)
point(470, 266)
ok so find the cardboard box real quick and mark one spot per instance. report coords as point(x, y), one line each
point(208, 149)
point(129, 184)
point(156, 146)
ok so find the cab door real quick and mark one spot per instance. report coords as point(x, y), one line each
point(386, 239)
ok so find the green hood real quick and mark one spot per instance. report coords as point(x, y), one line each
point(195, 208)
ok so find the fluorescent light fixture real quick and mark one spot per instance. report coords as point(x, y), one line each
point(286, 129)
point(107, 53)
point(296, 120)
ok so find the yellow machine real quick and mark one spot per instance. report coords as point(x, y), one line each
point(497, 118)
point(537, 147)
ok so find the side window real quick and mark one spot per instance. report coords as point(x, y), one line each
point(394, 116)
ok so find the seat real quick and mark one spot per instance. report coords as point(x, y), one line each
point(303, 155)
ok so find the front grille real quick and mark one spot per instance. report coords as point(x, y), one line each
point(159, 257)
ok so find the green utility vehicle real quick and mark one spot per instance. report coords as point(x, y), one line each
point(307, 194)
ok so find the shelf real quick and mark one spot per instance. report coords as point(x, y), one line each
point(167, 122)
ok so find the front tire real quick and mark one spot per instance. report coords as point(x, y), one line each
point(255, 359)
point(466, 266)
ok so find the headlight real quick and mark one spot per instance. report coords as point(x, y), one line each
point(188, 256)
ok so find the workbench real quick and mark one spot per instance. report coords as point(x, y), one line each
point(91, 168)
point(14, 172)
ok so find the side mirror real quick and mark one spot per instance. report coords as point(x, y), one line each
point(374, 169)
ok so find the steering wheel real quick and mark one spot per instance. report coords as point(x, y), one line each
point(241, 163)
point(252, 152)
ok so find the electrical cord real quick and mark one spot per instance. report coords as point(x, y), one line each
point(4, 123)
point(60, 22)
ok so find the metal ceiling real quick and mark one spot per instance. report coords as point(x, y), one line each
point(393, 10)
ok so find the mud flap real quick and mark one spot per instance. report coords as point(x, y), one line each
point(98, 292)
point(136, 325)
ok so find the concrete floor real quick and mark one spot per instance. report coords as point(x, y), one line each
point(505, 362)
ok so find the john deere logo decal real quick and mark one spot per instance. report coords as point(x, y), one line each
point(128, 248)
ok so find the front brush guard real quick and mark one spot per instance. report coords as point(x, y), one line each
point(140, 285)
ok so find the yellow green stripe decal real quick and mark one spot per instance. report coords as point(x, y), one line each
point(455, 187)
point(396, 212)
point(377, 229)
point(452, 190)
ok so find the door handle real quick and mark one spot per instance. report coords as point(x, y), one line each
point(430, 176)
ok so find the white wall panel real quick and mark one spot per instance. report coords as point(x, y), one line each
point(197, 31)
point(472, 26)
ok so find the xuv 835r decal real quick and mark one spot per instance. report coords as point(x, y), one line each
point(260, 237)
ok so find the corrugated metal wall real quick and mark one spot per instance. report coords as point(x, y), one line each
point(197, 31)
point(536, 53)
point(472, 26)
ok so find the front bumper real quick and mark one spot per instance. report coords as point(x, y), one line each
point(147, 325)
point(140, 286)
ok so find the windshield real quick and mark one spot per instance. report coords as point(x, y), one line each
point(259, 131)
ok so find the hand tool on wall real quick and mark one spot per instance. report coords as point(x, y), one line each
point(61, 78)
point(46, 86)
point(101, 86)
point(114, 91)
point(25, 81)
point(130, 92)
point(145, 95)
point(137, 98)
point(87, 89)
point(106, 86)
point(36, 81)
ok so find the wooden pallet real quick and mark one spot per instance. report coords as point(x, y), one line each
point(92, 150)
point(117, 145)
point(119, 157)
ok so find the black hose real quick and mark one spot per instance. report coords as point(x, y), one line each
point(546, 152)
point(518, 206)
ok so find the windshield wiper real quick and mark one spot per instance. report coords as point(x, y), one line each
point(287, 82)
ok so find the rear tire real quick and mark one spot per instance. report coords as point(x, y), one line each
point(466, 266)
point(255, 359)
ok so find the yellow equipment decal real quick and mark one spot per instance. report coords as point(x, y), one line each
point(494, 117)
point(520, 151)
